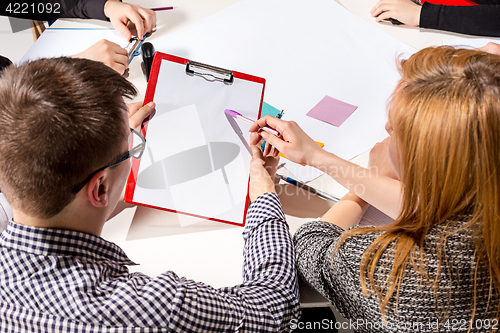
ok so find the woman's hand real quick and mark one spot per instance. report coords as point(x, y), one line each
point(491, 47)
point(262, 171)
point(379, 161)
point(293, 142)
point(405, 11)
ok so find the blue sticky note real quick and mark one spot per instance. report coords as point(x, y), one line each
point(269, 110)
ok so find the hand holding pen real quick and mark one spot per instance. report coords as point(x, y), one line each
point(268, 150)
point(293, 142)
point(270, 133)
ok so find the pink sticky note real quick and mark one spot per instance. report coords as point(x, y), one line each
point(332, 111)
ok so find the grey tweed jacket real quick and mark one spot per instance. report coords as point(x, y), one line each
point(419, 307)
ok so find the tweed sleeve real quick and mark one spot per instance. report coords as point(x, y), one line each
point(314, 242)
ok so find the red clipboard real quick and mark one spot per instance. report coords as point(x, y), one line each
point(196, 159)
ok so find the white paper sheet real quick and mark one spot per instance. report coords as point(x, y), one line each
point(67, 42)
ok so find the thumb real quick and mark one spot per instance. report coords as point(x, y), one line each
point(138, 117)
point(257, 161)
point(256, 152)
point(122, 28)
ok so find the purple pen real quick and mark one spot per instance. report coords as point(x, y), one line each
point(237, 115)
point(162, 8)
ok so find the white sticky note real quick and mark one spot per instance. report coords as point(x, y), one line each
point(173, 132)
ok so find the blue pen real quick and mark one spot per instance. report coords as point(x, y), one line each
point(308, 188)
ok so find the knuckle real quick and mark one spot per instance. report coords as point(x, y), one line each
point(106, 47)
point(107, 60)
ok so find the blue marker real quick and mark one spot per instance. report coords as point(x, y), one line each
point(308, 188)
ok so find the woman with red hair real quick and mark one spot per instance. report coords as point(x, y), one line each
point(437, 266)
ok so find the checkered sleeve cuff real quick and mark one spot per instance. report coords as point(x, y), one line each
point(265, 208)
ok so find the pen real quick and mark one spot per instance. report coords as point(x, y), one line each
point(308, 188)
point(162, 8)
point(237, 115)
point(394, 21)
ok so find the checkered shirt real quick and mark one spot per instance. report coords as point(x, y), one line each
point(67, 281)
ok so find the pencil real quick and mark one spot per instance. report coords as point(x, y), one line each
point(162, 8)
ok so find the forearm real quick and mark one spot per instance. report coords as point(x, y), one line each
point(183, 305)
point(475, 20)
point(347, 212)
point(266, 301)
point(379, 191)
point(88, 9)
point(269, 257)
point(314, 242)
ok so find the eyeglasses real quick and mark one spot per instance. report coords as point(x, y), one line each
point(138, 144)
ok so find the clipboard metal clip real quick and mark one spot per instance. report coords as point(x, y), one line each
point(209, 73)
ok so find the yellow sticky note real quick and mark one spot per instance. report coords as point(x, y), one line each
point(321, 144)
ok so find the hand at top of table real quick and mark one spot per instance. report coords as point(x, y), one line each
point(491, 47)
point(120, 14)
point(109, 53)
point(405, 11)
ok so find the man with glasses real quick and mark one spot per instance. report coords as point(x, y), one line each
point(65, 149)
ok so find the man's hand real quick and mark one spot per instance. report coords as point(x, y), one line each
point(109, 53)
point(262, 171)
point(120, 14)
point(137, 113)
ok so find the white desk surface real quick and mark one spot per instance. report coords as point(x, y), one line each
point(210, 252)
